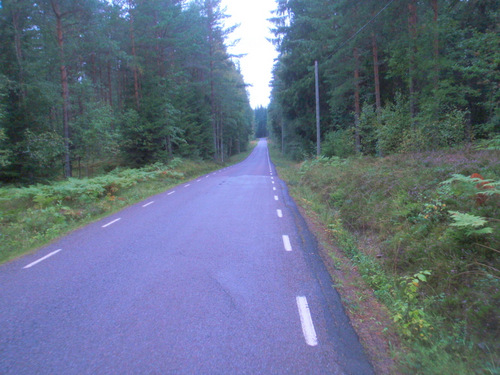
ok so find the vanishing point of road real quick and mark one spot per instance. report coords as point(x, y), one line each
point(218, 275)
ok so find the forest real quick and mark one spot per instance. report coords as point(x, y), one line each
point(394, 76)
point(87, 85)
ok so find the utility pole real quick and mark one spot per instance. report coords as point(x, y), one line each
point(318, 134)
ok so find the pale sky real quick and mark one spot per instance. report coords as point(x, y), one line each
point(257, 65)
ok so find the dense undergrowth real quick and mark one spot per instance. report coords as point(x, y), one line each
point(425, 236)
point(35, 215)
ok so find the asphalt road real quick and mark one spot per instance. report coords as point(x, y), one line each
point(216, 276)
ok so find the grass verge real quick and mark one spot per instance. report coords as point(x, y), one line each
point(33, 216)
point(424, 236)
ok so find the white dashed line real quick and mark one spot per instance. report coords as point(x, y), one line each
point(272, 182)
point(274, 188)
point(280, 214)
point(272, 178)
point(286, 243)
point(198, 180)
point(147, 204)
point(43, 258)
point(172, 192)
point(306, 321)
point(111, 222)
point(275, 197)
point(187, 185)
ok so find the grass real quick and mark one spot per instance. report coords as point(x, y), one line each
point(33, 216)
point(426, 238)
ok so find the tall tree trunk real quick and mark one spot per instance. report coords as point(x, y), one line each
point(211, 74)
point(434, 4)
point(93, 71)
point(64, 86)
point(357, 105)
point(110, 90)
point(376, 76)
point(282, 136)
point(18, 49)
point(159, 53)
point(134, 55)
point(412, 28)
point(221, 141)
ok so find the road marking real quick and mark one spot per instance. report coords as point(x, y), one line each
point(187, 185)
point(274, 188)
point(286, 243)
point(272, 182)
point(275, 197)
point(172, 192)
point(111, 222)
point(272, 178)
point(280, 214)
point(147, 204)
point(41, 259)
point(198, 180)
point(306, 321)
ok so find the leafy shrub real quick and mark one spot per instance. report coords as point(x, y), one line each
point(338, 143)
point(369, 122)
point(395, 121)
point(409, 312)
point(4, 152)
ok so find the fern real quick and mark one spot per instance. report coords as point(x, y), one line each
point(470, 180)
point(470, 224)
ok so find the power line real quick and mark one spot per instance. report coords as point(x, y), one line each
point(359, 30)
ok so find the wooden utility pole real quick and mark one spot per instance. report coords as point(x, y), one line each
point(357, 104)
point(318, 133)
point(134, 55)
point(378, 102)
point(64, 85)
point(412, 27)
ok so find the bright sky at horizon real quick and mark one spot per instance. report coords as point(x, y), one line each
point(253, 32)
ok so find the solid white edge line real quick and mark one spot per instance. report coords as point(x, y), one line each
point(147, 204)
point(286, 243)
point(280, 214)
point(41, 259)
point(306, 321)
point(172, 192)
point(111, 222)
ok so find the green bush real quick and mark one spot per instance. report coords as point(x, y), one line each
point(338, 143)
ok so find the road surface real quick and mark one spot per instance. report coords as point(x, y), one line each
point(218, 275)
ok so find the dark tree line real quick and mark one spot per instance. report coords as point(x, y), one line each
point(394, 76)
point(260, 122)
point(134, 82)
